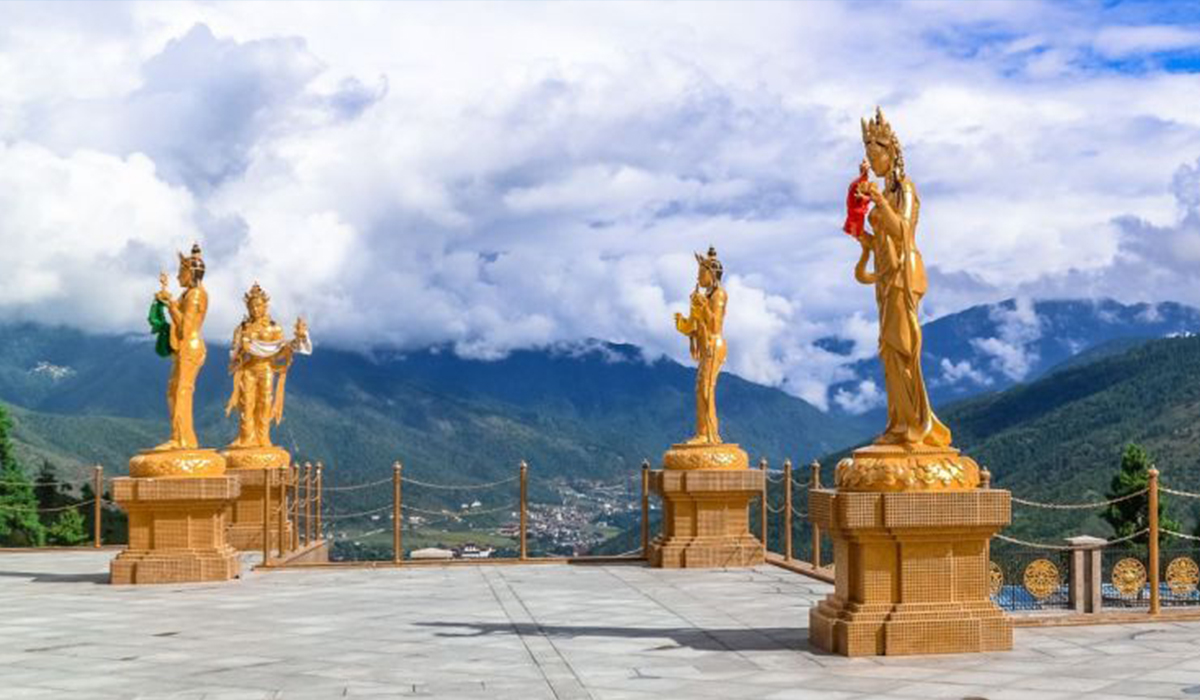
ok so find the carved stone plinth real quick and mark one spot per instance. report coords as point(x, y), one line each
point(251, 467)
point(706, 491)
point(176, 530)
point(911, 572)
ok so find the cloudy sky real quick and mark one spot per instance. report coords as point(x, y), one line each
point(504, 175)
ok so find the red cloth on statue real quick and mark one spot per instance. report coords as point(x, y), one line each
point(856, 209)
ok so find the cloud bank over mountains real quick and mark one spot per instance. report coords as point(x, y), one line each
point(495, 176)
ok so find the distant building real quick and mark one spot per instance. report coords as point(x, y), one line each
point(431, 553)
point(472, 551)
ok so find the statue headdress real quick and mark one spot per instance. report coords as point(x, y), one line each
point(711, 263)
point(194, 262)
point(256, 292)
point(879, 131)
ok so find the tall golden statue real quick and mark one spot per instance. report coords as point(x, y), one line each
point(704, 326)
point(179, 323)
point(187, 345)
point(259, 359)
point(706, 484)
point(900, 283)
point(920, 456)
point(258, 355)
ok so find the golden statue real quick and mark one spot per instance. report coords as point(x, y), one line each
point(187, 345)
point(704, 326)
point(182, 339)
point(258, 355)
point(924, 459)
point(706, 484)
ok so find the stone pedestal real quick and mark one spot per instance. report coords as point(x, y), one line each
point(706, 491)
point(176, 529)
point(911, 572)
point(252, 467)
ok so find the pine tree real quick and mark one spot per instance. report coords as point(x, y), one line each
point(1132, 514)
point(67, 530)
point(51, 495)
point(19, 523)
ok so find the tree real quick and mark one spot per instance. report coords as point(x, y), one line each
point(1132, 514)
point(67, 530)
point(19, 523)
point(51, 495)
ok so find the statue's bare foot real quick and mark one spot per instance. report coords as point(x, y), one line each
point(168, 445)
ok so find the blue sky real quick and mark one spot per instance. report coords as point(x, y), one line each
point(502, 175)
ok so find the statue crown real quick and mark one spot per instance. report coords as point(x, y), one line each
point(878, 130)
point(256, 292)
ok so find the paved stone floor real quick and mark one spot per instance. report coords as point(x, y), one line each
point(526, 632)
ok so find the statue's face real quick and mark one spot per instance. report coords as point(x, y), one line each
point(705, 277)
point(880, 157)
point(185, 274)
point(258, 309)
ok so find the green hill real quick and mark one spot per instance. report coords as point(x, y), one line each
point(1060, 438)
point(581, 412)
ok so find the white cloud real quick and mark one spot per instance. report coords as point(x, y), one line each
point(495, 177)
point(1012, 350)
point(866, 397)
point(962, 371)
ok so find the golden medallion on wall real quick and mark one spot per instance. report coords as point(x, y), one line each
point(1041, 578)
point(1129, 576)
point(1183, 575)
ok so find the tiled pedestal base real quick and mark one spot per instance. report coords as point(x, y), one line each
point(252, 467)
point(176, 530)
point(911, 573)
point(706, 517)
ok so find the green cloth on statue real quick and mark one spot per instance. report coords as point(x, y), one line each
point(160, 327)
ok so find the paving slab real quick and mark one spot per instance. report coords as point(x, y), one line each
point(527, 632)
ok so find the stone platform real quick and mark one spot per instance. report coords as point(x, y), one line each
point(246, 513)
point(912, 572)
point(177, 530)
point(706, 521)
point(528, 632)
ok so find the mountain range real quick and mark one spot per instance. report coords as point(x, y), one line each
point(591, 410)
point(989, 348)
point(1094, 375)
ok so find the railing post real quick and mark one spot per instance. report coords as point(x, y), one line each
point(281, 517)
point(762, 465)
point(1084, 592)
point(97, 505)
point(294, 482)
point(266, 515)
point(787, 509)
point(645, 507)
point(1153, 486)
point(524, 508)
point(397, 542)
point(814, 485)
point(320, 495)
point(308, 502)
